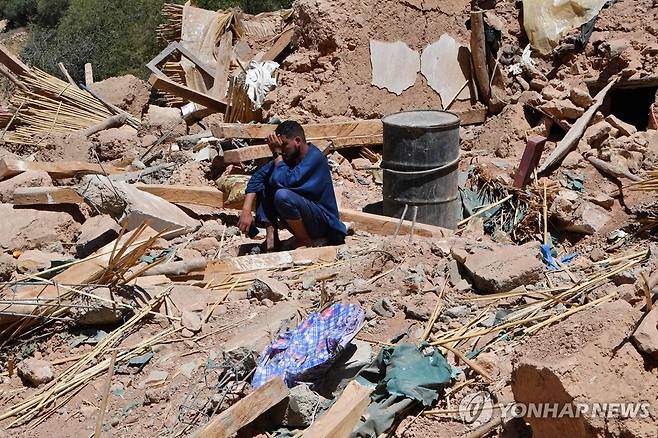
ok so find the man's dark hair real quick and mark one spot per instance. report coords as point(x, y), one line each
point(290, 129)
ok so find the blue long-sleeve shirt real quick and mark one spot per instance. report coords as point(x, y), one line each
point(310, 178)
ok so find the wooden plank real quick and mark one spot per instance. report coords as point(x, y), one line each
point(281, 44)
point(235, 156)
point(220, 270)
point(12, 62)
point(572, 137)
point(529, 160)
point(165, 84)
point(58, 170)
point(224, 53)
point(385, 226)
point(66, 74)
point(246, 410)
point(479, 54)
point(89, 74)
point(341, 419)
point(198, 195)
point(624, 83)
point(312, 131)
point(46, 196)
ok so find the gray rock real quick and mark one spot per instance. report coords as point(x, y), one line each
point(645, 336)
point(457, 311)
point(35, 372)
point(300, 409)
point(7, 266)
point(384, 308)
point(269, 288)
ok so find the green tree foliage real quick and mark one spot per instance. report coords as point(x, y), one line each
point(116, 36)
point(18, 12)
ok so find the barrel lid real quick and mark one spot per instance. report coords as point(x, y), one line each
point(422, 119)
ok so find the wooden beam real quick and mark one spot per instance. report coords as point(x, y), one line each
point(341, 419)
point(89, 74)
point(66, 74)
point(220, 270)
point(246, 410)
point(197, 195)
point(572, 137)
point(312, 131)
point(385, 226)
point(46, 196)
point(58, 170)
point(479, 54)
point(281, 44)
point(235, 156)
point(624, 83)
point(165, 84)
point(12, 62)
point(223, 56)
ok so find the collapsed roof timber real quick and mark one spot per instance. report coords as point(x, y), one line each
point(132, 304)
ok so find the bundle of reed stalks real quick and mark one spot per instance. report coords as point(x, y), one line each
point(170, 30)
point(648, 184)
point(49, 105)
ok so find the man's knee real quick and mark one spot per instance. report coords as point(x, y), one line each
point(285, 203)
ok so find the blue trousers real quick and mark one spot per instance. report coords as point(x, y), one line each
point(277, 206)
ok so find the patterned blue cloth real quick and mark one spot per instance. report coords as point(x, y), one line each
point(304, 353)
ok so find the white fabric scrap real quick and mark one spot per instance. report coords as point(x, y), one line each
point(526, 61)
point(259, 81)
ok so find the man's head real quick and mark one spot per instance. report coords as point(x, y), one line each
point(293, 138)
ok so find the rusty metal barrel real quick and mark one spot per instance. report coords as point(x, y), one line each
point(421, 166)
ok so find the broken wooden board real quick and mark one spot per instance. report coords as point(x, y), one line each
point(220, 270)
point(312, 131)
point(223, 55)
point(197, 195)
point(572, 138)
point(248, 153)
point(385, 226)
point(246, 410)
point(178, 194)
point(12, 62)
point(163, 83)
point(341, 419)
point(624, 83)
point(58, 170)
point(281, 44)
point(46, 196)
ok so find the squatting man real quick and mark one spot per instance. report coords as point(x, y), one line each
point(292, 191)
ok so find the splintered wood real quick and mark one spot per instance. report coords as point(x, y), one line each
point(246, 410)
point(219, 271)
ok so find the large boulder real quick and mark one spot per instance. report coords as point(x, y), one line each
point(502, 268)
point(135, 207)
point(30, 178)
point(587, 359)
point(128, 92)
point(646, 334)
point(24, 228)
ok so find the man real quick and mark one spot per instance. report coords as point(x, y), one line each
point(293, 191)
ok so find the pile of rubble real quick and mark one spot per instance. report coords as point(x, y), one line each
point(132, 305)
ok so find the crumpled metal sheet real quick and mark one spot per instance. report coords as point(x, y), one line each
point(546, 21)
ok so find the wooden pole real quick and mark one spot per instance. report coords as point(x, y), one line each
point(479, 54)
point(66, 74)
point(106, 396)
point(89, 74)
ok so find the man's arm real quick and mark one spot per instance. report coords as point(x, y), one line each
point(284, 176)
